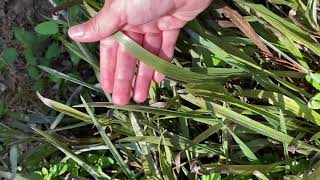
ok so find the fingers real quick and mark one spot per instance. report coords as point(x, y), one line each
point(152, 43)
point(125, 71)
point(151, 27)
point(169, 23)
point(108, 59)
point(166, 23)
point(104, 24)
point(169, 39)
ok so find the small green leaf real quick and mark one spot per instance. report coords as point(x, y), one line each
point(33, 72)
point(62, 169)
point(92, 158)
point(10, 55)
point(68, 78)
point(106, 161)
point(53, 51)
point(44, 171)
point(27, 39)
point(31, 60)
point(47, 28)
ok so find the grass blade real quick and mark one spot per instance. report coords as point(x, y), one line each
point(68, 78)
point(207, 133)
point(81, 52)
point(70, 111)
point(159, 64)
point(287, 28)
point(249, 123)
point(147, 160)
point(176, 142)
point(244, 169)
point(245, 27)
point(165, 162)
point(94, 172)
point(168, 113)
point(105, 138)
point(245, 149)
point(260, 176)
point(292, 105)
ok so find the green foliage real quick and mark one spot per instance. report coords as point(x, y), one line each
point(52, 51)
point(47, 28)
point(10, 55)
point(314, 103)
point(54, 171)
point(30, 59)
point(2, 108)
point(27, 39)
point(33, 72)
point(107, 141)
point(211, 177)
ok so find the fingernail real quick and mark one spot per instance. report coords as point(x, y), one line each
point(76, 32)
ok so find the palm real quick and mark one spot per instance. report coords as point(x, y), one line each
point(160, 15)
point(154, 24)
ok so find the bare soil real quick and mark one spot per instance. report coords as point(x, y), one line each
point(19, 13)
point(23, 14)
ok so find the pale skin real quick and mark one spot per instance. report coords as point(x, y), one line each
point(154, 24)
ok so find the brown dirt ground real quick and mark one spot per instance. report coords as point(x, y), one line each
point(19, 13)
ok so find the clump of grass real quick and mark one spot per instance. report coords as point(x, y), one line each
point(240, 102)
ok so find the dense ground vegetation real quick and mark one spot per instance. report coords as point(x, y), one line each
point(240, 100)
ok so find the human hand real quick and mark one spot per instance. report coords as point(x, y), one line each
point(154, 24)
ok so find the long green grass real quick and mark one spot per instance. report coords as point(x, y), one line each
point(240, 102)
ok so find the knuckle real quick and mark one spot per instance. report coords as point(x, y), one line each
point(96, 26)
point(107, 42)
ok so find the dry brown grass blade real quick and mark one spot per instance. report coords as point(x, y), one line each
point(244, 26)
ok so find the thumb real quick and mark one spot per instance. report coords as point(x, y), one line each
point(104, 24)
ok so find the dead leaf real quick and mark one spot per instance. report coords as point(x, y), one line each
point(244, 26)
